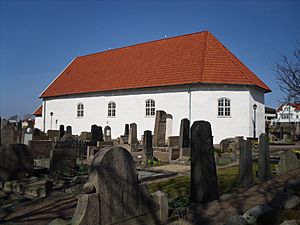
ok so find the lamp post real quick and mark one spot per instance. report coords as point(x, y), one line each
point(51, 114)
point(254, 120)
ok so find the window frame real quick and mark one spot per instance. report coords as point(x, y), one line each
point(111, 109)
point(80, 110)
point(149, 107)
point(224, 109)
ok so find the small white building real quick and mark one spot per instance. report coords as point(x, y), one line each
point(287, 113)
point(190, 76)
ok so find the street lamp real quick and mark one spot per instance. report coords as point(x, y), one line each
point(254, 120)
point(51, 114)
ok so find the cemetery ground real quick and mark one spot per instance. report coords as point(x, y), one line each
point(234, 199)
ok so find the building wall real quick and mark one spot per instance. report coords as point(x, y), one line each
point(130, 107)
point(287, 114)
point(38, 123)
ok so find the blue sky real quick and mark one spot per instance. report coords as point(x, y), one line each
point(38, 38)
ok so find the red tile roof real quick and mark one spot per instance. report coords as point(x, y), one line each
point(186, 59)
point(38, 111)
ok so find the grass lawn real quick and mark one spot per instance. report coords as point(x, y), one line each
point(178, 189)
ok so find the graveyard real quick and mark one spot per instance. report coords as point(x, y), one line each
point(56, 177)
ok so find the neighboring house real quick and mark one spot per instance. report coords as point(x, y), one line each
point(190, 76)
point(288, 113)
point(270, 114)
point(38, 122)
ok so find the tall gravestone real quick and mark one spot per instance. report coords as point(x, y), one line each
point(281, 133)
point(69, 130)
point(113, 194)
point(184, 134)
point(204, 182)
point(100, 134)
point(7, 134)
point(28, 135)
point(263, 160)
point(245, 167)
point(126, 130)
point(95, 133)
point(61, 130)
point(132, 139)
point(107, 133)
point(159, 136)
point(147, 144)
point(169, 126)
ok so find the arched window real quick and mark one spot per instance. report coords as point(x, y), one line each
point(111, 109)
point(150, 107)
point(80, 109)
point(224, 107)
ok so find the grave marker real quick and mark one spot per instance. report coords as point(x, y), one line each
point(204, 183)
point(245, 167)
point(159, 136)
point(263, 160)
point(147, 145)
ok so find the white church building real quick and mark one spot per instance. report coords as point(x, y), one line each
point(190, 76)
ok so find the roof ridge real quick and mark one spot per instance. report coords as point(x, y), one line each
point(226, 51)
point(143, 43)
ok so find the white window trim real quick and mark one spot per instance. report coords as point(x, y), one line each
point(111, 109)
point(79, 109)
point(224, 116)
point(150, 107)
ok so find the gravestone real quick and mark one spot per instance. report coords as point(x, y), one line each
point(238, 141)
point(147, 145)
point(100, 134)
point(41, 149)
point(53, 134)
point(113, 194)
point(297, 131)
point(126, 131)
point(184, 139)
point(288, 161)
point(61, 130)
point(69, 130)
point(263, 160)
point(107, 133)
point(28, 135)
point(85, 136)
point(95, 134)
point(173, 141)
point(159, 136)
point(7, 135)
point(132, 139)
point(15, 161)
point(245, 167)
point(204, 182)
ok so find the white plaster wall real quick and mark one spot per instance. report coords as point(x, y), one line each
point(130, 107)
point(295, 115)
point(38, 123)
point(257, 97)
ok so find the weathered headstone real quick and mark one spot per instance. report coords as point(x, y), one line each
point(288, 161)
point(162, 199)
point(238, 141)
point(69, 130)
point(297, 131)
point(7, 134)
point(107, 133)
point(184, 139)
point(15, 161)
point(53, 134)
point(132, 139)
point(147, 144)
point(95, 134)
point(85, 136)
point(61, 130)
point(100, 134)
point(245, 167)
point(113, 195)
point(159, 136)
point(263, 160)
point(204, 183)
point(281, 133)
point(126, 130)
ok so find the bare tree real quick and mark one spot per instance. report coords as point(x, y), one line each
point(288, 75)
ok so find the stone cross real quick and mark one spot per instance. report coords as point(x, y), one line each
point(204, 182)
point(147, 145)
point(184, 134)
point(113, 194)
point(159, 136)
point(263, 160)
point(245, 167)
point(132, 139)
point(61, 130)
